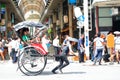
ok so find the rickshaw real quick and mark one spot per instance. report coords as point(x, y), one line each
point(32, 58)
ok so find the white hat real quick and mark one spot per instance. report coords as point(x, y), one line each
point(116, 32)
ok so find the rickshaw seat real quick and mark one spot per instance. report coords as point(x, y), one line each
point(40, 48)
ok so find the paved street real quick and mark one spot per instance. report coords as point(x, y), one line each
point(75, 71)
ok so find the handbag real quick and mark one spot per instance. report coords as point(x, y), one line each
point(106, 57)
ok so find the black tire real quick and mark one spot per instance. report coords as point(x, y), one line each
point(29, 62)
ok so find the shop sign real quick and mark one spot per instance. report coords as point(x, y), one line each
point(79, 15)
point(114, 11)
point(3, 22)
point(77, 12)
point(72, 2)
point(80, 24)
point(87, 40)
point(2, 6)
point(12, 17)
point(81, 18)
point(65, 18)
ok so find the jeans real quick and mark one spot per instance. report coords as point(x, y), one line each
point(13, 55)
point(98, 56)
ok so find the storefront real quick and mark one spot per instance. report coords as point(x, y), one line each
point(2, 21)
point(8, 17)
point(108, 15)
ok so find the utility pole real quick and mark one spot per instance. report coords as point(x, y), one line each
point(86, 28)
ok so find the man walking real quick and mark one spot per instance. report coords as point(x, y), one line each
point(63, 57)
point(81, 48)
point(98, 45)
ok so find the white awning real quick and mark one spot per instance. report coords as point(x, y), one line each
point(106, 3)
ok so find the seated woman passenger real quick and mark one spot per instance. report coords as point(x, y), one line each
point(25, 36)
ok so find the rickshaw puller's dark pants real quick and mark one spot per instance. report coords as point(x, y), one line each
point(61, 65)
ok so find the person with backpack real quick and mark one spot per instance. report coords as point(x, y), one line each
point(98, 46)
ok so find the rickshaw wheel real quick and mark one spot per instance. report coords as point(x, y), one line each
point(31, 62)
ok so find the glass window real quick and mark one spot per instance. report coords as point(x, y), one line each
point(106, 22)
point(105, 18)
point(104, 12)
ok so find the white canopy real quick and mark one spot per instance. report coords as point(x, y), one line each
point(106, 3)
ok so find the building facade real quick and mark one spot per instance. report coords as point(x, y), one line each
point(107, 15)
point(9, 15)
point(59, 15)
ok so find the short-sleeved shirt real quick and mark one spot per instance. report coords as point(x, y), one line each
point(25, 38)
point(98, 42)
point(65, 50)
point(117, 43)
point(56, 42)
point(110, 41)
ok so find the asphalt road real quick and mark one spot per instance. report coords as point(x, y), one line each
point(75, 71)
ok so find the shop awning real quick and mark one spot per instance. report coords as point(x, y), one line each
point(106, 3)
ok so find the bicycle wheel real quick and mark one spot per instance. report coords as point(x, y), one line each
point(31, 62)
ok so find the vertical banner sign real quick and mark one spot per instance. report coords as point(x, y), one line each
point(13, 18)
point(86, 29)
point(87, 40)
point(2, 8)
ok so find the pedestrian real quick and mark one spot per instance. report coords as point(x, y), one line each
point(1, 51)
point(4, 41)
point(65, 42)
point(45, 41)
point(56, 46)
point(81, 48)
point(14, 47)
point(63, 57)
point(110, 45)
point(117, 46)
point(9, 47)
point(98, 45)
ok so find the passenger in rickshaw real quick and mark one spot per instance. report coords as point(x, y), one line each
point(25, 36)
point(33, 41)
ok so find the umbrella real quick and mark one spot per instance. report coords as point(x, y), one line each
point(73, 39)
point(28, 24)
point(116, 32)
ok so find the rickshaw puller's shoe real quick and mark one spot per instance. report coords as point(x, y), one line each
point(60, 70)
point(54, 72)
